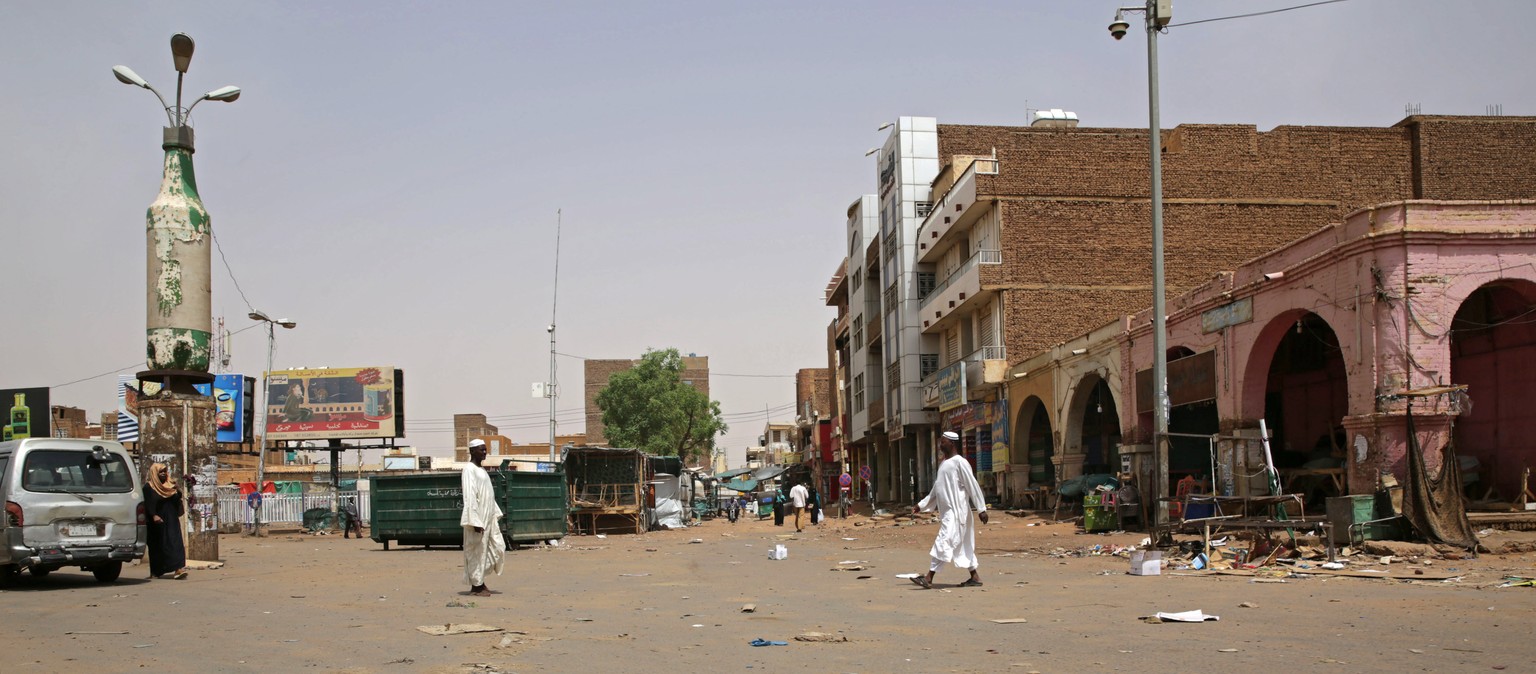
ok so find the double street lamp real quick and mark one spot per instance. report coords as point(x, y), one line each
point(181, 54)
point(266, 412)
point(1157, 13)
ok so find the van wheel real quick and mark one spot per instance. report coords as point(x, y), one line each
point(108, 572)
point(40, 573)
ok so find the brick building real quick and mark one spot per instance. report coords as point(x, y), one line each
point(1032, 235)
point(467, 427)
point(597, 372)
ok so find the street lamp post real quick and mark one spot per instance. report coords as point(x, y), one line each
point(1157, 13)
point(266, 414)
point(179, 421)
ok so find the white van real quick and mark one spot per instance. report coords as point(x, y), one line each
point(69, 503)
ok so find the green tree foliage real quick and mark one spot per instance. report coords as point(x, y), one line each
point(649, 407)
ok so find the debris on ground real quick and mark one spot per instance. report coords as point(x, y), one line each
point(1195, 616)
point(765, 642)
point(822, 637)
point(749, 608)
point(456, 628)
point(1009, 621)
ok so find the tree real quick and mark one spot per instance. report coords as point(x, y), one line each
point(649, 407)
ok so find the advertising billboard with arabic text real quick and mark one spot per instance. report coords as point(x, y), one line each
point(335, 403)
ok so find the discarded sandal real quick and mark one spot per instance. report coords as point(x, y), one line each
point(971, 582)
point(922, 582)
point(765, 642)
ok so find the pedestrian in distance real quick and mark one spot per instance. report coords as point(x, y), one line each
point(814, 503)
point(484, 546)
point(164, 506)
point(955, 492)
point(350, 522)
point(798, 498)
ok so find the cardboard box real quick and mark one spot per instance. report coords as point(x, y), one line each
point(778, 552)
point(1147, 563)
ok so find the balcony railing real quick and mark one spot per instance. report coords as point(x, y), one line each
point(967, 266)
point(876, 412)
point(873, 331)
point(990, 256)
point(988, 353)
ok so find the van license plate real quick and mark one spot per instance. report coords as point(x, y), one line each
point(80, 529)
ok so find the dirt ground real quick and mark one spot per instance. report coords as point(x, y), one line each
point(673, 600)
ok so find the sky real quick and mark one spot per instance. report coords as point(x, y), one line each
point(391, 176)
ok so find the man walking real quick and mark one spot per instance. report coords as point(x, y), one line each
point(955, 491)
point(483, 544)
point(798, 496)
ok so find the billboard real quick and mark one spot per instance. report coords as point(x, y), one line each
point(335, 403)
point(234, 399)
point(27, 414)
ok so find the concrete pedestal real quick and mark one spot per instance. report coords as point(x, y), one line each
point(178, 430)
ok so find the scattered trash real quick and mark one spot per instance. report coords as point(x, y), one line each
point(1332, 565)
point(459, 604)
point(855, 567)
point(1247, 604)
point(778, 552)
point(697, 625)
point(143, 645)
point(602, 535)
point(765, 642)
point(1009, 621)
point(907, 575)
point(90, 633)
point(1516, 581)
point(696, 541)
point(850, 539)
point(822, 637)
point(1226, 650)
point(749, 608)
point(633, 575)
point(459, 628)
point(1195, 616)
point(1146, 563)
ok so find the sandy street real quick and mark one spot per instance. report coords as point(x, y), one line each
point(663, 602)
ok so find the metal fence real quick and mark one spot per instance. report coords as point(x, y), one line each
point(285, 509)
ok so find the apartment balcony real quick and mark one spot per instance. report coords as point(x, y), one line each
point(876, 412)
point(953, 215)
point(841, 327)
point(872, 333)
point(950, 295)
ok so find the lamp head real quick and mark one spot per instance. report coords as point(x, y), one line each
point(1119, 26)
point(225, 94)
point(258, 316)
point(181, 51)
point(287, 323)
point(126, 75)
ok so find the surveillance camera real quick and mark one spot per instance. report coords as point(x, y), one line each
point(1118, 28)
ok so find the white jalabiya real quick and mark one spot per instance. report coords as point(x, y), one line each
point(798, 495)
point(483, 551)
point(955, 493)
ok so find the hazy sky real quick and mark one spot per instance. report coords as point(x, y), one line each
point(391, 175)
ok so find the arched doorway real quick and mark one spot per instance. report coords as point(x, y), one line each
point(1493, 352)
point(1187, 456)
point(1100, 434)
point(1034, 429)
point(1306, 396)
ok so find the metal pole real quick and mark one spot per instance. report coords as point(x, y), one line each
point(266, 423)
point(554, 305)
point(1159, 319)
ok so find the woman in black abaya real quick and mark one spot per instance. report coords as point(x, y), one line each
point(163, 506)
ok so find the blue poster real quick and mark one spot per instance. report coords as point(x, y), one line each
point(231, 399)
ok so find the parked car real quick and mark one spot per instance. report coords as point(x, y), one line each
point(69, 503)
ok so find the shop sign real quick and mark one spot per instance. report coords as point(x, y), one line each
point(951, 382)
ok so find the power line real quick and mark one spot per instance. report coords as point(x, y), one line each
point(1253, 14)
point(132, 365)
point(231, 273)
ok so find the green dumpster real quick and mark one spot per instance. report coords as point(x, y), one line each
point(424, 508)
point(1099, 513)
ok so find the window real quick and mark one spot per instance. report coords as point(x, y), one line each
point(952, 346)
point(857, 281)
point(925, 283)
point(929, 364)
point(858, 331)
point(77, 471)
point(924, 208)
point(858, 392)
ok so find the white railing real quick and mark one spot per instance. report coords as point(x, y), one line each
point(988, 353)
point(990, 256)
point(285, 509)
point(967, 266)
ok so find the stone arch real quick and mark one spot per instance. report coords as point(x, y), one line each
point(1093, 424)
point(1296, 379)
point(1035, 441)
point(1492, 348)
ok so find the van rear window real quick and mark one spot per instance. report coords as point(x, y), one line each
point(79, 471)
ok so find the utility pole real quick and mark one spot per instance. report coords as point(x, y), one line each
point(554, 305)
point(178, 423)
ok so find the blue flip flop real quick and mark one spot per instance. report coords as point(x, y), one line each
point(765, 642)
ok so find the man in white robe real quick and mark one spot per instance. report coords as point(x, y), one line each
point(955, 493)
point(483, 543)
point(798, 496)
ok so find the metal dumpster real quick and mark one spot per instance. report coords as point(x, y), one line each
point(424, 508)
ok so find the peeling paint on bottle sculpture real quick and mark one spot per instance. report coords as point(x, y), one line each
point(179, 316)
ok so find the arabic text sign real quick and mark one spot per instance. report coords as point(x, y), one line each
point(359, 402)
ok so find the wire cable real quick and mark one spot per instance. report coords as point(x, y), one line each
point(1253, 14)
point(231, 273)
